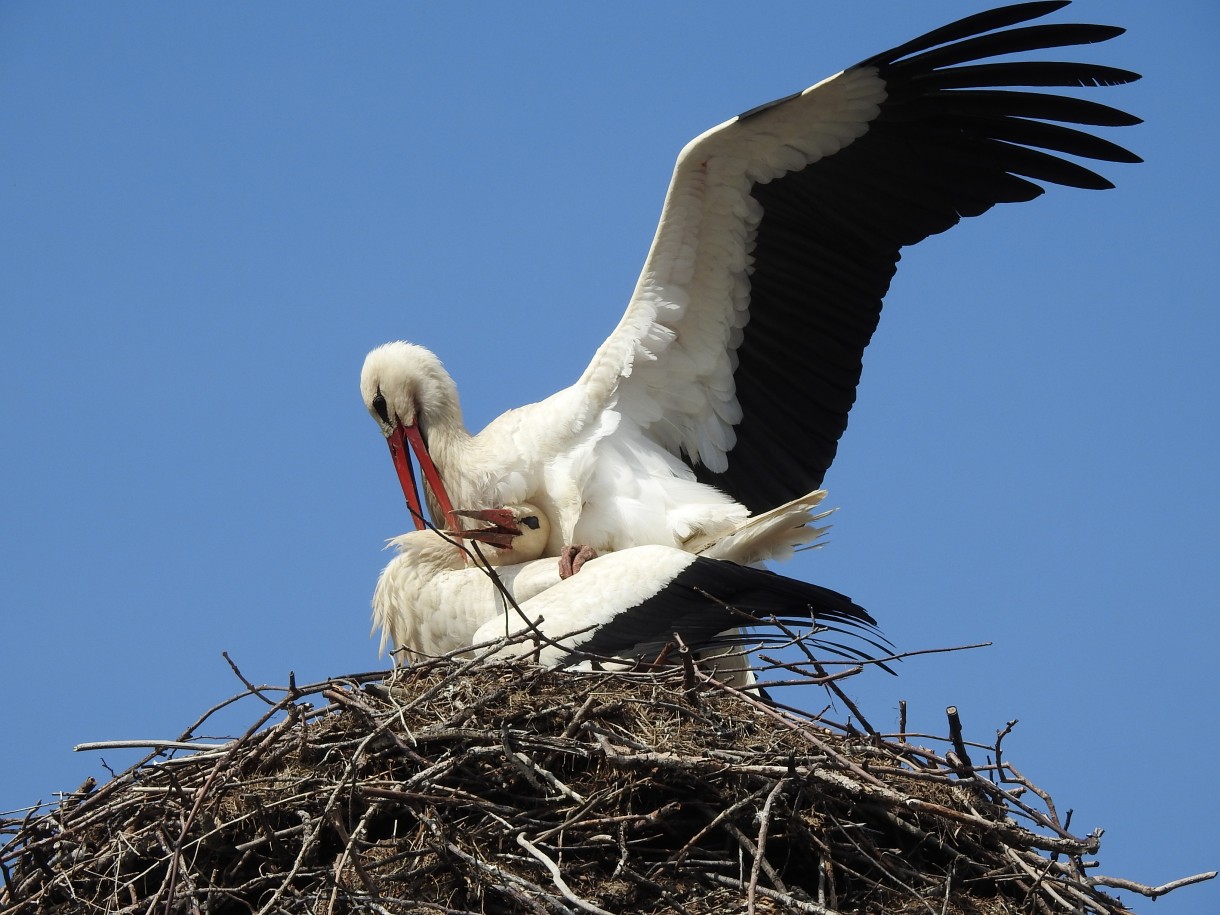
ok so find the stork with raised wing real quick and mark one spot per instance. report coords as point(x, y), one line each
point(727, 383)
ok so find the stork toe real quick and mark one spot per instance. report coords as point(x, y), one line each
point(573, 556)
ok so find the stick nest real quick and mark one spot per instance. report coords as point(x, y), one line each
point(483, 787)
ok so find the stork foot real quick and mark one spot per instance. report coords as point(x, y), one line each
point(572, 557)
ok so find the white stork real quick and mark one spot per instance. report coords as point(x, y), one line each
point(727, 383)
point(430, 599)
point(629, 604)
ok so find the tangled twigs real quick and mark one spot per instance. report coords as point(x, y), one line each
point(466, 786)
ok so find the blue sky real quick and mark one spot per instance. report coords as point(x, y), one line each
point(211, 212)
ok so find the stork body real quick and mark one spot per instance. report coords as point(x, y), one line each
point(727, 383)
point(628, 604)
point(634, 603)
point(432, 600)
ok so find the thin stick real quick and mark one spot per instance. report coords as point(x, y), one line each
point(157, 745)
point(254, 690)
point(761, 847)
point(1152, 892)
point(557, 877)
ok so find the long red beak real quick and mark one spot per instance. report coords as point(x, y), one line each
point(399, 440)
point(502, 527)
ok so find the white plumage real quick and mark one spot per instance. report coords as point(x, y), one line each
point(727, 383)
point(431, 597)
point(431, 600)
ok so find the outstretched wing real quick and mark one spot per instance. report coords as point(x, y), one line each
point(741, 348)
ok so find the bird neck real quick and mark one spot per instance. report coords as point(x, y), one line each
point(447, 441)
point(446, 438)
point(439, 415)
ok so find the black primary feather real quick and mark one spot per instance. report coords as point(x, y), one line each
point(710, 597)
point(945, 144)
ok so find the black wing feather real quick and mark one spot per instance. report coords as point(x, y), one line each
point(977, 24)
point(945, 145)
point(711, 596)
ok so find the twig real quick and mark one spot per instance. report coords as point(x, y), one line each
point(965, 768)
point(351, 853)
point(798, 905)
point(557, 877)
point(716, 820)
point(761, 849)
point(1152, 892)
point(157, 745)
point(254, 690)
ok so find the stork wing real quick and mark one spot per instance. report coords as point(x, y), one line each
point(709, 597)
point(741, 348)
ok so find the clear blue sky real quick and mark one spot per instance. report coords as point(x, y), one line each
point(211, 212)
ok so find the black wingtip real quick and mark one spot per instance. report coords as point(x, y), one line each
point(967, 27)
point(710, 597)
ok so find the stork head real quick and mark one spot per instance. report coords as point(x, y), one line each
point(409, 394)
point(518, 533)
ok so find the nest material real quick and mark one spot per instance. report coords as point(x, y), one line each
point(508, 788)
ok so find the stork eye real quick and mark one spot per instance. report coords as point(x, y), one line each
point(382, 410)
point(531, 521)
